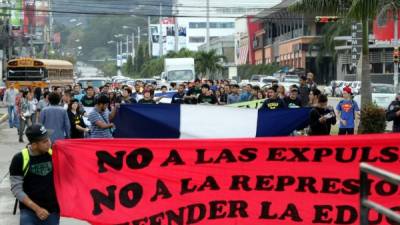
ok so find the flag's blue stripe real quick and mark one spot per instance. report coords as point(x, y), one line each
point(281, 122)
point(148, 121)
point(169, 94)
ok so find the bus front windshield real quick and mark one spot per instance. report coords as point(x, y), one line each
point(26, 74)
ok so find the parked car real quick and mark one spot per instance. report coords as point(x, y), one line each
point(265, 81)
point(257, 77)
point(355, 87)
point(339, 85)
point(382, 95)
point(291, 78)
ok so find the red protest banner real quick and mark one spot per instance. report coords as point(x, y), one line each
point(306, 180)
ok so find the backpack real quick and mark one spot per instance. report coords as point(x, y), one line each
point(25, 168)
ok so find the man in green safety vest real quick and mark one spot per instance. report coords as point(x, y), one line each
point(31, 176)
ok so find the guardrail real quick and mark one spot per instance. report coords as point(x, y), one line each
point(365, 204)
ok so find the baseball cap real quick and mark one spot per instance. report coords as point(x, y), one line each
point(347, 89)
point(37, 132)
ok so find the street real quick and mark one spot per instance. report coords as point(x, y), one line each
point(8, 147)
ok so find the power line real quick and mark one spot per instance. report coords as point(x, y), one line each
point(140, 15)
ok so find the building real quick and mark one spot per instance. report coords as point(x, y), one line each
point(191, 17)
point(380, 54)
point(246, 29)
point(289, 39)
point(224, 46)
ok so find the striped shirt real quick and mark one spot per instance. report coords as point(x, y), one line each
point(95, 131)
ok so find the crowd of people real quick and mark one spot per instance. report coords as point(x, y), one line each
point(64, 109)
point(45, 116)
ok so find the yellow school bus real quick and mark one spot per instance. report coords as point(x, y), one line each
point(32, 73)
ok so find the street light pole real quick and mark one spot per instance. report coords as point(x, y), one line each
point(208, 26)
point(160, 34)
point(149, 39)
point(396, 45)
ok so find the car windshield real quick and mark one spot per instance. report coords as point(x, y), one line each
point(383, 89)
point(93, 83)
point(185, 75)
point(266, 81)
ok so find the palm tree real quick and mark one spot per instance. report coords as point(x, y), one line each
point(209, 63)
point(363, 11)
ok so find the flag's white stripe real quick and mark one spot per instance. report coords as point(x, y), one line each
point(197, 121)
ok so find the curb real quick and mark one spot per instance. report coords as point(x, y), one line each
point(3, 118)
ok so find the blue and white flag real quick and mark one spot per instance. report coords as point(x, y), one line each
point(200, 121)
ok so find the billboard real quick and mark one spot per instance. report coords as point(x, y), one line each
point(168, 36)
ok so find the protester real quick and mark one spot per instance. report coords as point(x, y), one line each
point(66, 99)
point(147, 98)
point(179, 97)
point(9, 100)
point(254, 93)
point(260, 95)
point(273, 102)
point(293, 101)
point(393, 113)
point(206, 96)
point(78, 127)
point(347, 110)
point(322, 118)
point(54, 117)
point(77, 94)
point(138, 92)
point(313, 97)
point(32, 183)
point(32, 107)
point(37, 93)
point(223, 96)
point(43, 103)
point(304, 91)
point(127, 96)
point(246, 94)
point(310, 81)
point(100, 118)
point(281, 92)
point(234, 97)
point(25, 111)
point(88, 99)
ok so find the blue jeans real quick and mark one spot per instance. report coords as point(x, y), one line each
point(13, 120)
point(28, 217)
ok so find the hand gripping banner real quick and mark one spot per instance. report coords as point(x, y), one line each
point(305, 180)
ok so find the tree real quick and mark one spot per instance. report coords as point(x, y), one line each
point(209, 63)
point(363, 11)
point(139, 59)
point(128, 66)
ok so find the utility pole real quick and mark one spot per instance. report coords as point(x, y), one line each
point(396, 45)
point(149, 39)
point(133, 44)
point(127, 44)
point(160, 34)
point(138, 35)
point(176, 27)
point(117, 49)
point(208, 26)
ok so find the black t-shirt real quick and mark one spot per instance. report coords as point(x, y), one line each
point(38, 182)
point(318, 128)
point(292, 104)
point(178, 98)
point(144, 101)
point(273, 104)
point(76, 119)
point(87, 101)
point(210, 99)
